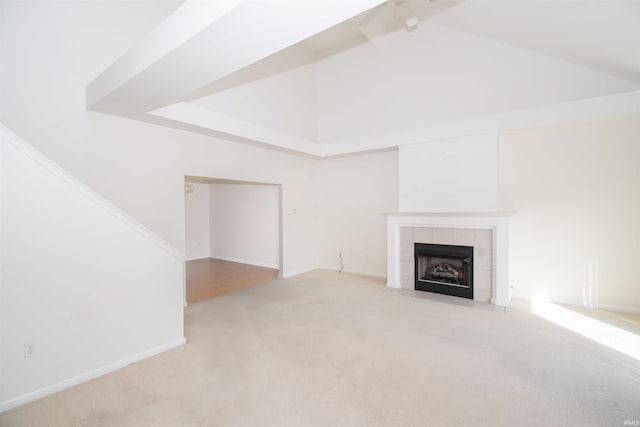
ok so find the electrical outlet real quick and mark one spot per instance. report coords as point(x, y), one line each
point(29, 351)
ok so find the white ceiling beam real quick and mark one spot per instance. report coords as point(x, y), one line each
point(204, 41)
point(204, 118)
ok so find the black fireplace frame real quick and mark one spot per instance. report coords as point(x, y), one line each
point(463, 253)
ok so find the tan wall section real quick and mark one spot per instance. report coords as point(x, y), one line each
point(576, 190)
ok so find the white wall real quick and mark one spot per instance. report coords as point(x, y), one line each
point(245, 223)
point(434, 74)
point(453, 175)
point(54, 49)
point(353, 194)
point(90, 289)
point(197, 222)
point(575, 234)
point(137, 166)
point(279, 93)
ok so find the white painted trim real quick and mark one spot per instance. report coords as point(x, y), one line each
point(299, 272)
point(183, 24)
point(184, 287)
point(620, 308)
point(7, 136)
point(358, 272)
point(78, 379)
point(144, 78)
point(575, 303)
point(246, 261)
point(207, 119)
point(583, 109)
point(196, 259)
point(280, 231)
point(498, 222)
point(364, 273)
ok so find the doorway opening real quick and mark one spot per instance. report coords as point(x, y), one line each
point(233, 233)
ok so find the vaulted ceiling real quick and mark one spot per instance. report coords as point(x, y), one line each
point(328, 77)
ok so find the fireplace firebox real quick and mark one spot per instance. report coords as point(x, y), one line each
point(444, 269)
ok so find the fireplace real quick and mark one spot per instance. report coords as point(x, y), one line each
point(444, 269)
point(486, 232)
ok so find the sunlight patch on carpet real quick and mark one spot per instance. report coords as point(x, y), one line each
point(618, 339)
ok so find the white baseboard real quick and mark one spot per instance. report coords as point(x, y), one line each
point(361, 273)
point(365, 273)
point(196, 258)
point(78, 379)
point(622, 308)
point(297, 273)
point(500, 303)
point(619, 308)
point(247, 261)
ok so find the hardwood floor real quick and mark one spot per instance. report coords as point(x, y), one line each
point(208, 278)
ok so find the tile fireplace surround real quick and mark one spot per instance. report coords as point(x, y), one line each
point(487, 232)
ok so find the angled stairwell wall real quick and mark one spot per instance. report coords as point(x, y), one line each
point(88, 288)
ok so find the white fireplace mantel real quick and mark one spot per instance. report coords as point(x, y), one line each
point(497, 221)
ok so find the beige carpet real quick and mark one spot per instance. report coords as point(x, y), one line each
point(329, 349)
